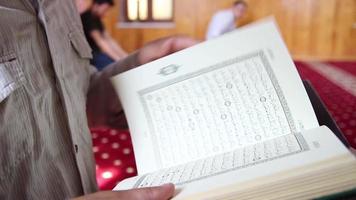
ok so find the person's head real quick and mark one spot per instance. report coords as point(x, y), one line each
point(100, 7)
point(239, 8)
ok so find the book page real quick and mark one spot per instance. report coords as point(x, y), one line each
point(231, 92)
point(222, 163)
point(274, 156)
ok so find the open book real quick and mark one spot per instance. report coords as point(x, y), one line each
point(230, 118)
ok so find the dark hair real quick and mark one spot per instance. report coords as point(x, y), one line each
point(238, 2)
point(111, 2)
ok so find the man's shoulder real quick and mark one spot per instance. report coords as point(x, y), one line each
point(91, 22)
point(224, 14)
point(86, 15)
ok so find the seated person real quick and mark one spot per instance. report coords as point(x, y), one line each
point(225, 20)
point(105, 49)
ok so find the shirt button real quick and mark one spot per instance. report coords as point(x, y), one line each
point(76, 148)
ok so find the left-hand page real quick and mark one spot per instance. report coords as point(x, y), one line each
point(227, 93)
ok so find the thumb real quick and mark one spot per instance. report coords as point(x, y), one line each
point(163, 192)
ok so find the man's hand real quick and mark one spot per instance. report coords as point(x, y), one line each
point(163, 192)
point(162, 47)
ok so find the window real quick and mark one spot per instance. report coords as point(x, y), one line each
point(148, 10)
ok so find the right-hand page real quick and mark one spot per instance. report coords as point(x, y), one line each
point(231, 92)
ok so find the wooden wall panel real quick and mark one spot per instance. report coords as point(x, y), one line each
point(312, 29)
point(322, 27)
point(345, 37)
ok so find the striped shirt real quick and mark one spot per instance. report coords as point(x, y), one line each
point(45, 76)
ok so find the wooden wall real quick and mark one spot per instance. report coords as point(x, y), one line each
point(312, 29)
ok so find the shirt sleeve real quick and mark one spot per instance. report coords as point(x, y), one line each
point(91, 23)
point(113, 69)
point(217, 26)
point(213, 29)
point(103, 104)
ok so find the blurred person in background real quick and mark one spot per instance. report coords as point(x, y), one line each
point(225, 20)
point(105, 49)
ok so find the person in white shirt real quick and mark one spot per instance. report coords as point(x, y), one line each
point(225, 20)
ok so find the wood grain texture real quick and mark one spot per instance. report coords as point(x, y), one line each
point(312, 29)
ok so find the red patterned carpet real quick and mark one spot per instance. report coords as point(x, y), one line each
point(334, 81)
point(114, 156)
point(336, 85)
